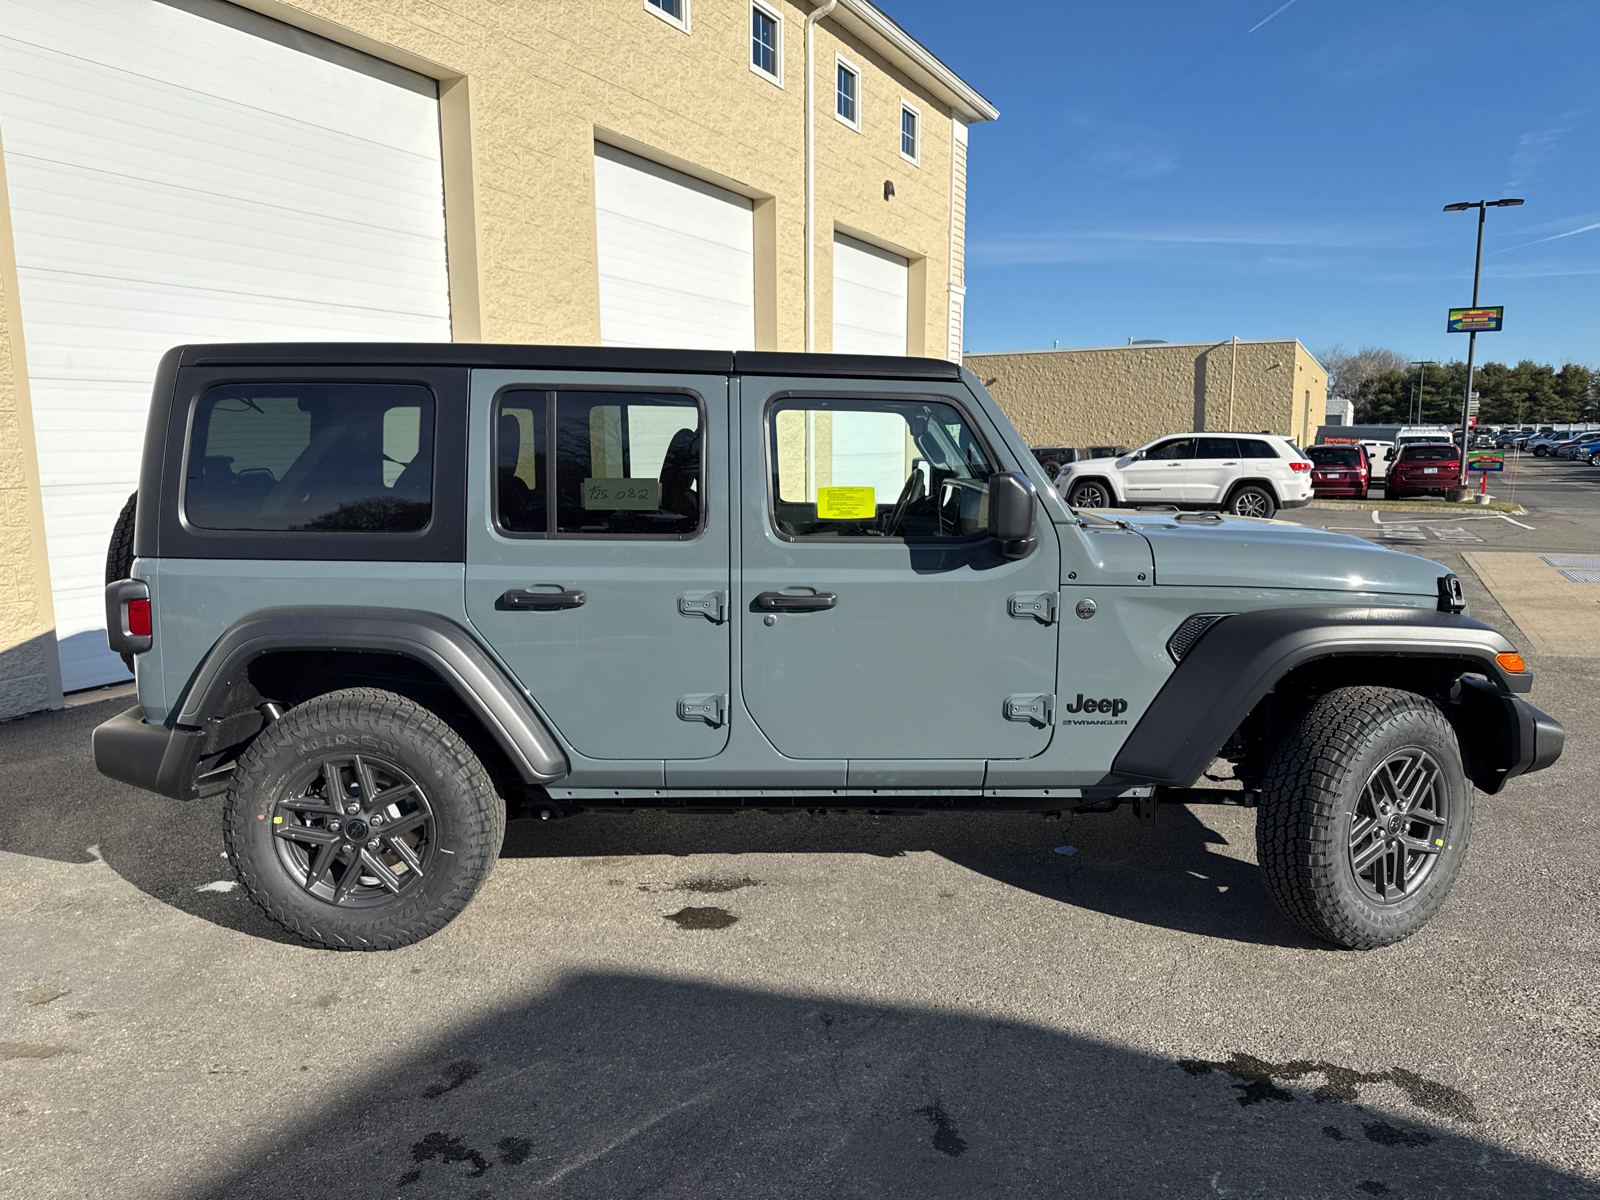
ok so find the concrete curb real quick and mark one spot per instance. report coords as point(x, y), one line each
point(1498, 506)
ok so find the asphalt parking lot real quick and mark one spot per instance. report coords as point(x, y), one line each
point(946, 1005)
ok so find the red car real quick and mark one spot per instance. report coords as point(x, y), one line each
point(1339, 471)
point(1423, 467)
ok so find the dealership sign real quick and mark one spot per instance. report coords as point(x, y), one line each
point(1476, 320)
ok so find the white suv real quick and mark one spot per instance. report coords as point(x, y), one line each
point(1248, 474)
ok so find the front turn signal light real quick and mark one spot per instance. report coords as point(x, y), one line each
point(1511, 662)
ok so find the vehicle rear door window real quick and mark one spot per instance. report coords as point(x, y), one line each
point(1216, 447)
point(874, 469)
point(598, 464)
point(312, 458)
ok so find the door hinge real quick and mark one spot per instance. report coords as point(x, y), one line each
point(1035, 709)
point(1041, 606)
point(707, 708)
point(704, 604)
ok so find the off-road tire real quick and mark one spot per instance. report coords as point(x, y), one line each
point(468, 816)
point(119, 554)
point(1091, 493)
point(1264, 500)
point(1309, 799)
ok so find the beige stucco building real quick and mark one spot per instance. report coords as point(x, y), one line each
point(1130, 395)
point(609, 172)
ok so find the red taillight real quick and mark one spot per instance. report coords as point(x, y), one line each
point(1301, 466)
point(139, 618)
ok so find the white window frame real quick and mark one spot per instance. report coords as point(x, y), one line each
point(775, 77)
point(840, 60)
point(678, 23)
point(907, 107)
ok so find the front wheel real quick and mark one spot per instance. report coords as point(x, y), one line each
point(1089, 494)
point(1365, 817)
point(1594, 459)
point(1252, 501)
point(361, 821)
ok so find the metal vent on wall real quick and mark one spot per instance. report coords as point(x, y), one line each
point(1187, 634)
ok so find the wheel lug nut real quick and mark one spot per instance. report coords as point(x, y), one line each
point(333, 826)
point(373, 844)
point(352, 809)
point(377, 819)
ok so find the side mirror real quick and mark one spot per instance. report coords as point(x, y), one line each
point(1011, 504)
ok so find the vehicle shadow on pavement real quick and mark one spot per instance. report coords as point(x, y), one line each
point(1171, 876)
point(630, 1085)
point(56, 806)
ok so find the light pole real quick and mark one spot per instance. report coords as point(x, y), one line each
point(1422, 377)
point(1472, 337)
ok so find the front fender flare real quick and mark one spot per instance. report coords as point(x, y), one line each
point(438, 643)
point(1238, 660)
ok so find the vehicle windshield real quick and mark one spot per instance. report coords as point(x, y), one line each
point(1334, 456)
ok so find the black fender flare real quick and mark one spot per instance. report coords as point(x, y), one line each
point(1238, 660)
point(440, 644)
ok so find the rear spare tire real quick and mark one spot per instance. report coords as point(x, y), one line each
point(1365, 816)
point(119, 554)
point(361, 821)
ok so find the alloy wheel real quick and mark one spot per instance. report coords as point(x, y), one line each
point(1250, 504)
point(1397, 827)
point(355, 831)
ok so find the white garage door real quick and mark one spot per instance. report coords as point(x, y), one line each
point(677, 258)
point(869, 299)
point(192, 172)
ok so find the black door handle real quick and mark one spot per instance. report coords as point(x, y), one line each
point(528, 598)
point(784, 602)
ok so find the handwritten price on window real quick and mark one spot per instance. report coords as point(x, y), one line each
point(614, 495)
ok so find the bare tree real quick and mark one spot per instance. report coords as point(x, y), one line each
point(1356, 376)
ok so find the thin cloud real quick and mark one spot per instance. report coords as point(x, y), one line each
point(1113, 244)
point(1535, 148)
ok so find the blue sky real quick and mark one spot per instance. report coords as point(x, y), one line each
point(1184, 171)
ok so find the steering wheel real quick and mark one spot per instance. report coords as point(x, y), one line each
point(913, 490)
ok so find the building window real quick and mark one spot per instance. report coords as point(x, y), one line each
point(766, 43)
point(847, 94)
point(910, 134)
point(674, 12)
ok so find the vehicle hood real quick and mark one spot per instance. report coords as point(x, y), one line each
point(1246, 553)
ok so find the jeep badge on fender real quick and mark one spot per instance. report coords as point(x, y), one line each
point(1115, 707)
point(484, 583)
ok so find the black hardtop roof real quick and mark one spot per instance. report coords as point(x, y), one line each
point(565, 358)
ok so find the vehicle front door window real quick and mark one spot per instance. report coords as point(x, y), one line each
point(875, 469)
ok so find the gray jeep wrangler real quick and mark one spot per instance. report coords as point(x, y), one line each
point(380, 597)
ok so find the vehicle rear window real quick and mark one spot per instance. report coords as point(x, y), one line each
point(1429, 454)
point(1254, 448)
point(312, 458)
point(1334, 456)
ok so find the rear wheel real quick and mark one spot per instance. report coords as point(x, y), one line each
point(1365, 817)
point(1091, 493)
point(361, 821)
point(1252, 501)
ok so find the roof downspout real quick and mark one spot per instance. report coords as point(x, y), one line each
point(811, 178)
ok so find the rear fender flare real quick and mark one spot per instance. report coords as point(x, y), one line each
point(439, 644)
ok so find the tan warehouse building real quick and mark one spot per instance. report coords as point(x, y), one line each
point(1130, 395)
point(619, 172)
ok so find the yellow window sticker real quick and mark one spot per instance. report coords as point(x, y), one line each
point(845, 503)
